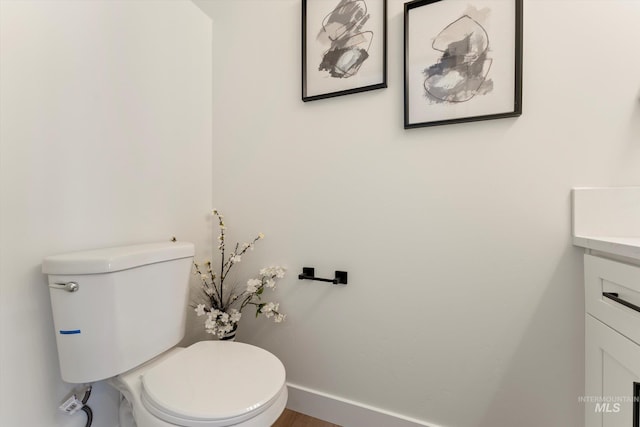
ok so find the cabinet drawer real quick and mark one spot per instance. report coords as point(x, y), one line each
point(612, 294)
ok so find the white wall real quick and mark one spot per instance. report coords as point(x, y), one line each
point(465, 304)
point(105, 140)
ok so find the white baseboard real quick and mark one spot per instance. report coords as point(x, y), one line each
point(345, 412)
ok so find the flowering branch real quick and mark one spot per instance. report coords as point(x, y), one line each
point(222, 318)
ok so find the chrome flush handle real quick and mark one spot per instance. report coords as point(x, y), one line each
point(69, 286)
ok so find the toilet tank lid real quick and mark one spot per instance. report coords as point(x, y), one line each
point(118, 258)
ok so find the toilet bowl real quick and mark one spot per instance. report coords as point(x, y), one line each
point(103, 333)
point(209, 384)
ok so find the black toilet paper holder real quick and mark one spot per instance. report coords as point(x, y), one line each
point(309, 273)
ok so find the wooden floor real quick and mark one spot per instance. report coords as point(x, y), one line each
point(290, 418)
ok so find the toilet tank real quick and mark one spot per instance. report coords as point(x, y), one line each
point(116, 308)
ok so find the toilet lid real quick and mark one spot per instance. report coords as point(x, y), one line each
point(212, 383)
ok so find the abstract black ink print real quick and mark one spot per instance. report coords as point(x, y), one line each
point(342, 29)
point(462, 69)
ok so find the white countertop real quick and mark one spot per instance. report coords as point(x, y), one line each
point(607, 220)
point(623, 246)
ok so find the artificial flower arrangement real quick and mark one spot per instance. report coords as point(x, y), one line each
point(223, 307)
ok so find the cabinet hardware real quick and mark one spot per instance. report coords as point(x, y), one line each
point(614, 296)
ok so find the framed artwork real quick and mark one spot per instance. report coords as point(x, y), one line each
point(344, 47)
point(462, 61)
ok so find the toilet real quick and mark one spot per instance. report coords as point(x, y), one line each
point(118, 315)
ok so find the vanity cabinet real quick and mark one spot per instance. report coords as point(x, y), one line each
point(606, 223)
point(612, 343)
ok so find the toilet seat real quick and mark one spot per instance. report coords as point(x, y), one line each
point(213, 384)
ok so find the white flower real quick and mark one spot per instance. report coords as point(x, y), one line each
point(279, 317)
point(210, 323)
point(253, 285)
point(269, 308)
point(260, 236)
point(235, 258)
point(200, 309)
point(270, 283)
point(234, 315)
point(273, 271)
point(224, 317)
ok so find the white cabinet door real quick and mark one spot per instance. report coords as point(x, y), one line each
point(612, 380)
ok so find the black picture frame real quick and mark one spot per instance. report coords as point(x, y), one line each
point(469, 69)
point(339, 59)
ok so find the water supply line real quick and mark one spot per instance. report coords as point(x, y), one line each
point(73, 405)
point(87, 410)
